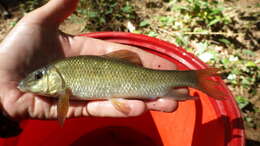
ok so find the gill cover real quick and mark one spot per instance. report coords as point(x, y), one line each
point(56, 83)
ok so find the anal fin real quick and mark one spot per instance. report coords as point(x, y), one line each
point(120, 106)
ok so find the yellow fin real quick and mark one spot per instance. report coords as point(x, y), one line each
point(120, 106)
point(63, 105)
point(126, 55)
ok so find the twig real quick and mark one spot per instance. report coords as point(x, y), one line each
point(201, 33)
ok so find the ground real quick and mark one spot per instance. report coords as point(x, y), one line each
point(225, 35)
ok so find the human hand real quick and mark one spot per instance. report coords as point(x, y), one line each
point(36, 41)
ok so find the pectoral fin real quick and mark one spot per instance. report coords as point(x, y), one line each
point(63, 105)
point(120, 106)
point(126, 55)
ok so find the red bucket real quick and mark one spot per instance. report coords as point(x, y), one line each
point(201, 122)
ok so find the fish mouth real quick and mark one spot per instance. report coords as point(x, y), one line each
point(21, 86)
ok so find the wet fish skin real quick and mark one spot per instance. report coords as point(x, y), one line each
point(95, 77)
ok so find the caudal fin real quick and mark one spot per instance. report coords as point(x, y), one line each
point(209, 86)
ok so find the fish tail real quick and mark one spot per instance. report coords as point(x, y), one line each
point(209, 86)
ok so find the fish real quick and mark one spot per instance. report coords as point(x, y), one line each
point(119, 74)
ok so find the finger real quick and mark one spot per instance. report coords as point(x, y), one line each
point(46, 108)
point(169, 104)
point(182, 94)
point(163, 105)
point(107, 109)
point(52, 13)
point(77, 109)
point(94, 108)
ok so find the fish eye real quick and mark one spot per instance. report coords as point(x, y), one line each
point(38, 75)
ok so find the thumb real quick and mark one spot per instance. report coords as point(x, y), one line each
point(52, 13)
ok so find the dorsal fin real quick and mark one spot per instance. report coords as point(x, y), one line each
point(125, 55)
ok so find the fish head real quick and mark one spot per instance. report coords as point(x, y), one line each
point(35, 82)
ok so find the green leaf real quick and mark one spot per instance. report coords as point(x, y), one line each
point(225, 41)
point(127, 8)
point(250, 64)
point(242, 101)
point(214, 21)
point(198, 29)
point(102, 20)
point(152, 34)
point(236, 71)
point(225, 61)
point(248, 119)
point(248, 52)
point(257, 110)
point(245, 82)
point(13, 23)
point(137, 31)
point(163, 19)
point(217, 11)
point(92, 14)
point(144, 23)
point(179, 41)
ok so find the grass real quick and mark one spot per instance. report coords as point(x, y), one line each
point(105, 14)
